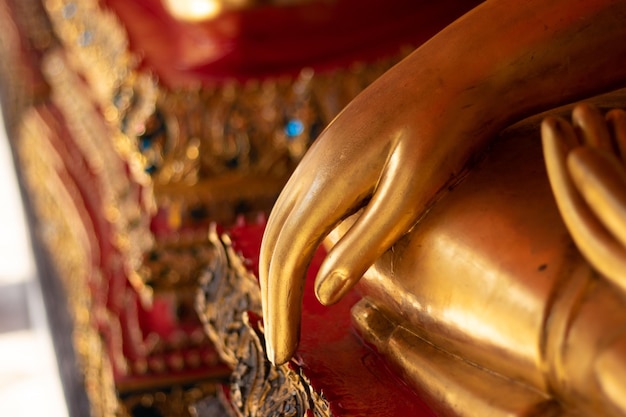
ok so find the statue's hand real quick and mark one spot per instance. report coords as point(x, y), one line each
point(412, 131)
point(586, 166)
point(383, 153)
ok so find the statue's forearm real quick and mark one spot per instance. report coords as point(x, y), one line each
point(503, 61)
point(506, 58)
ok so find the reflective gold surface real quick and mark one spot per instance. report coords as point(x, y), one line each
point(451, 385)
point(492, 280)
point(478, 275)
point(398, 146)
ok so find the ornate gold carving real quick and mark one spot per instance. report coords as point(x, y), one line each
point(177, 263)
point(65, 231)
point(217, 405)
point(175, 402)
point(226, 281)
point(122, 199)
point(95, 41)
point(229, 305)
point(96, 46)
point(261, 389)
point(33, 21)
point(257, 128)
point(24, 27)
point(217, 149)
point(221, 150)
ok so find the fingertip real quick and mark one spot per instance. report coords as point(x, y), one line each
point(549, 130)
point(550, 122)
point(281, 344)
point(278, 352)
point(330, 288)
point(583, 113)
point(281, 353)
point(269, 351)
point(618, 115)
point(557, 133)
point(282, 337)
point(590, 123)
point(283, 310)
point(552, 125)
point(344, 265)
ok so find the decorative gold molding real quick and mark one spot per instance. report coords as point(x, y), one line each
point(65, 232)
point(229, 304)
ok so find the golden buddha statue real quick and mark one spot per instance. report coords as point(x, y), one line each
point(470, 276)
point(137, 124)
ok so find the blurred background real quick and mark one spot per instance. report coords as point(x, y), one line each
point(29, 378)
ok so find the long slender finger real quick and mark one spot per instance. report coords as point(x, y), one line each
point(280, 214)
point(616, 120)
point(598, 246)
point(601, 180)
point(300, 236)
point(392, 210)
point(591, 125)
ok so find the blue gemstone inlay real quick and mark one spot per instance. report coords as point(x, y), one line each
point(151, 169)
point(145, 144)
point(85, 38)
point(293, 128)
point(118, 100)
point(69, 10)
